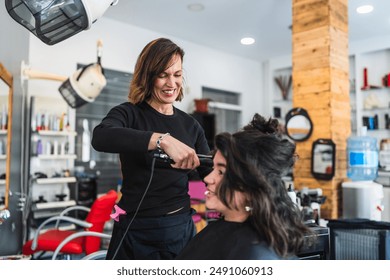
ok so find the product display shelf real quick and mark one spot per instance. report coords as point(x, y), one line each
point(373, 93)
point(51, 156)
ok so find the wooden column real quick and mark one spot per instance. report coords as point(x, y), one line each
point(321, 86)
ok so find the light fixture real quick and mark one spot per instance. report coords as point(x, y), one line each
point(247, 41)
point(195, 7)
point(82, 87)
point(53, 21)
point(365, 9)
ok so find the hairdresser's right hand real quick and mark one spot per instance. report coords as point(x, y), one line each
point(184, 156)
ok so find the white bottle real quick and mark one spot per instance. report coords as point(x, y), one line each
point(291, 193)
point(86, 142)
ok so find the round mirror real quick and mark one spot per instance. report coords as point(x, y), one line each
point(298, 124)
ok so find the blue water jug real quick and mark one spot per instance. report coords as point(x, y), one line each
point(362, 157)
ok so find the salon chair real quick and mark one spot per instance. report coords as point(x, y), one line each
point(83, 240)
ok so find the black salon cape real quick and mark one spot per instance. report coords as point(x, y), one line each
point(222, 240)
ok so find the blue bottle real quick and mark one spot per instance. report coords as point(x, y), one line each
point(362, 157)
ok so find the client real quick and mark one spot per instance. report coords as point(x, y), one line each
point(259, 220)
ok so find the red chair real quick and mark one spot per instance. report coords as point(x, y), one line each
point(74, 242)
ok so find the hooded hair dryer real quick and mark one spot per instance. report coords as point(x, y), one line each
point(82, 87)
point(53, 21)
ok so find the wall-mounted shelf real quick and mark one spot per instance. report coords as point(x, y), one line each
point(371, 87)
point(56, 157)
point(56, 133)
point(55, 180)
point(53, 204)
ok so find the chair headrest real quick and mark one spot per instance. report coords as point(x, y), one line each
point(102, 207)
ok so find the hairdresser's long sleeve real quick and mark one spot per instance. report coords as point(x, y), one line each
point(118, 133)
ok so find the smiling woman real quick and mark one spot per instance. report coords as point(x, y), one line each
point(259, 220)
point(136, 130)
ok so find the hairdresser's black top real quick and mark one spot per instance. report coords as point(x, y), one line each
point(126, 130)
point(222, 240)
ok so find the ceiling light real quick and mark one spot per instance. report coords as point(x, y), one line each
point(365, 9)
point(247, 41)
point(195, 7)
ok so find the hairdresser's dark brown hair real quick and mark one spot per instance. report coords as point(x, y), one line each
point(152, 61)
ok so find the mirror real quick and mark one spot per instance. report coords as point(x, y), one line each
point(6, 94)
point(323, 159)
point(298, 124)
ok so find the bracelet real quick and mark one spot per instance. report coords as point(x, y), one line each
point(159, 139)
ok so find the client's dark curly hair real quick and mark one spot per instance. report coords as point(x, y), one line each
point(257, 157)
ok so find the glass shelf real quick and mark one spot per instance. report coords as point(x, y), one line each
point(376, 109)
point(57, 156)
point(56, 180)
point(56, 133)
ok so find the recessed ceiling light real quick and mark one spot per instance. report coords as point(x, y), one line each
point(195, 7)
point(365, 9)
point(247, 41)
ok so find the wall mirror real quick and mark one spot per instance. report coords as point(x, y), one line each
point(298, 124)
point(6, 94)
point(323, 159)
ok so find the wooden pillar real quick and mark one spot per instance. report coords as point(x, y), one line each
point(321, 86)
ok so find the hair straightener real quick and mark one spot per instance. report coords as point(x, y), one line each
point(205, 160)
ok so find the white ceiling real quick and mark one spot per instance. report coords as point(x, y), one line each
point(223, 23)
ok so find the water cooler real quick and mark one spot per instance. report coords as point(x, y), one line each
point(362, 197)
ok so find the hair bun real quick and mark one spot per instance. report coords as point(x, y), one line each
point(260, 123)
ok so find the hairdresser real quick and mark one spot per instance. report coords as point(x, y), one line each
point(153, 219)
point(259, 220)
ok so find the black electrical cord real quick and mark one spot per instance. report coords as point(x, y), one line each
point(136, 211)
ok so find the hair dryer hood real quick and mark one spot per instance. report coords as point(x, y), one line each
point(53, 21)
point(83, 86)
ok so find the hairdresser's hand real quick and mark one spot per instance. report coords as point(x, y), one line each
point(184, 156)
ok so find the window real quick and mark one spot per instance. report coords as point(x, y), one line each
point(88, 116)
point(226, 107)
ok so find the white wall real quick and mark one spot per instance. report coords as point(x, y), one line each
point(121, 45)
